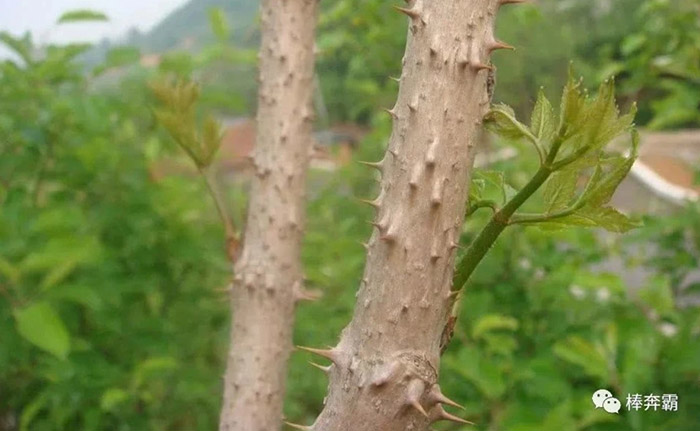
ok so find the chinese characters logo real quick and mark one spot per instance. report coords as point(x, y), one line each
point(603, 398)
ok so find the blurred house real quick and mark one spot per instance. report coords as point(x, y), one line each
point(661, 180)
point(150, 61)
point(663, 176)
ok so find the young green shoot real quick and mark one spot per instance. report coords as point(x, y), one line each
point(578, 175)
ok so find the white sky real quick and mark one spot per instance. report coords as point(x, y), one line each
point(39, 17)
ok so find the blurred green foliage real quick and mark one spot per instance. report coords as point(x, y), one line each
point(109, 315)
point(652, 47)
point(107, 278)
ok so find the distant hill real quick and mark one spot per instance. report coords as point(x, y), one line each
point(191, 23)
point(187, 28)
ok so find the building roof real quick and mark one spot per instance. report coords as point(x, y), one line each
point(667, 164)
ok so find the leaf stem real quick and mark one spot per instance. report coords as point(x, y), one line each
point(533, 139)
point(537, 218)
point(485, 203)
point(498, 222)
point(232, 242)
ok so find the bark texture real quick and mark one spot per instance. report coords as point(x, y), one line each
point(268, 274)
point(384, 375)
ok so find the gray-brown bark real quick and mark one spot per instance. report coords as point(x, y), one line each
point(268, 273)
point(385, 367)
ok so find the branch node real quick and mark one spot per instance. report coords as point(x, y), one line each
point(414, 392)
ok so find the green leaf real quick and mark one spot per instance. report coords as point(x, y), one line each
point(9, 271)
point(657, 295)
point(572, 104)
point(219, 25)
point(41, 325)
point(501, 120)
point(591, 123)
point(632, 43)
point(61, 250)
point(496, 180)
point(22, 47)
point(82, 15)
point(59, 273)
point(211, 140)
point(603, 122)
point(543, 121)
point(112, 397)
point(600, 192)
point(606, 217)
point(177, 116)
point(559, 190)
point(152, 366)
point(30, 411)
point(82, 294)
point(493, 322)
point(476, 189)
point(581, 352)
point(485, 375)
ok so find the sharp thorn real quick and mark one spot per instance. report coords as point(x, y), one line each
point(329, 354)
point(443, 415)
point(416, 405)
point(408, 12)
point(390, 112)
point(301, 294)
point(373, 204)
point(297, 426)
point(437, 396)
point(325, 369)
point(375, 165)
point(393, 78)
point(414, 392)
point(308, 295)
point(481, 66)
point(454, 245)
point(499, 45)
point(502, 2)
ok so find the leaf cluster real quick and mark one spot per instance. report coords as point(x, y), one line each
point(177, 115)
point(578, 175)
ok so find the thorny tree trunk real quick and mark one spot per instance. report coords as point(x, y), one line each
point(268, 273)
point(385, 368)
